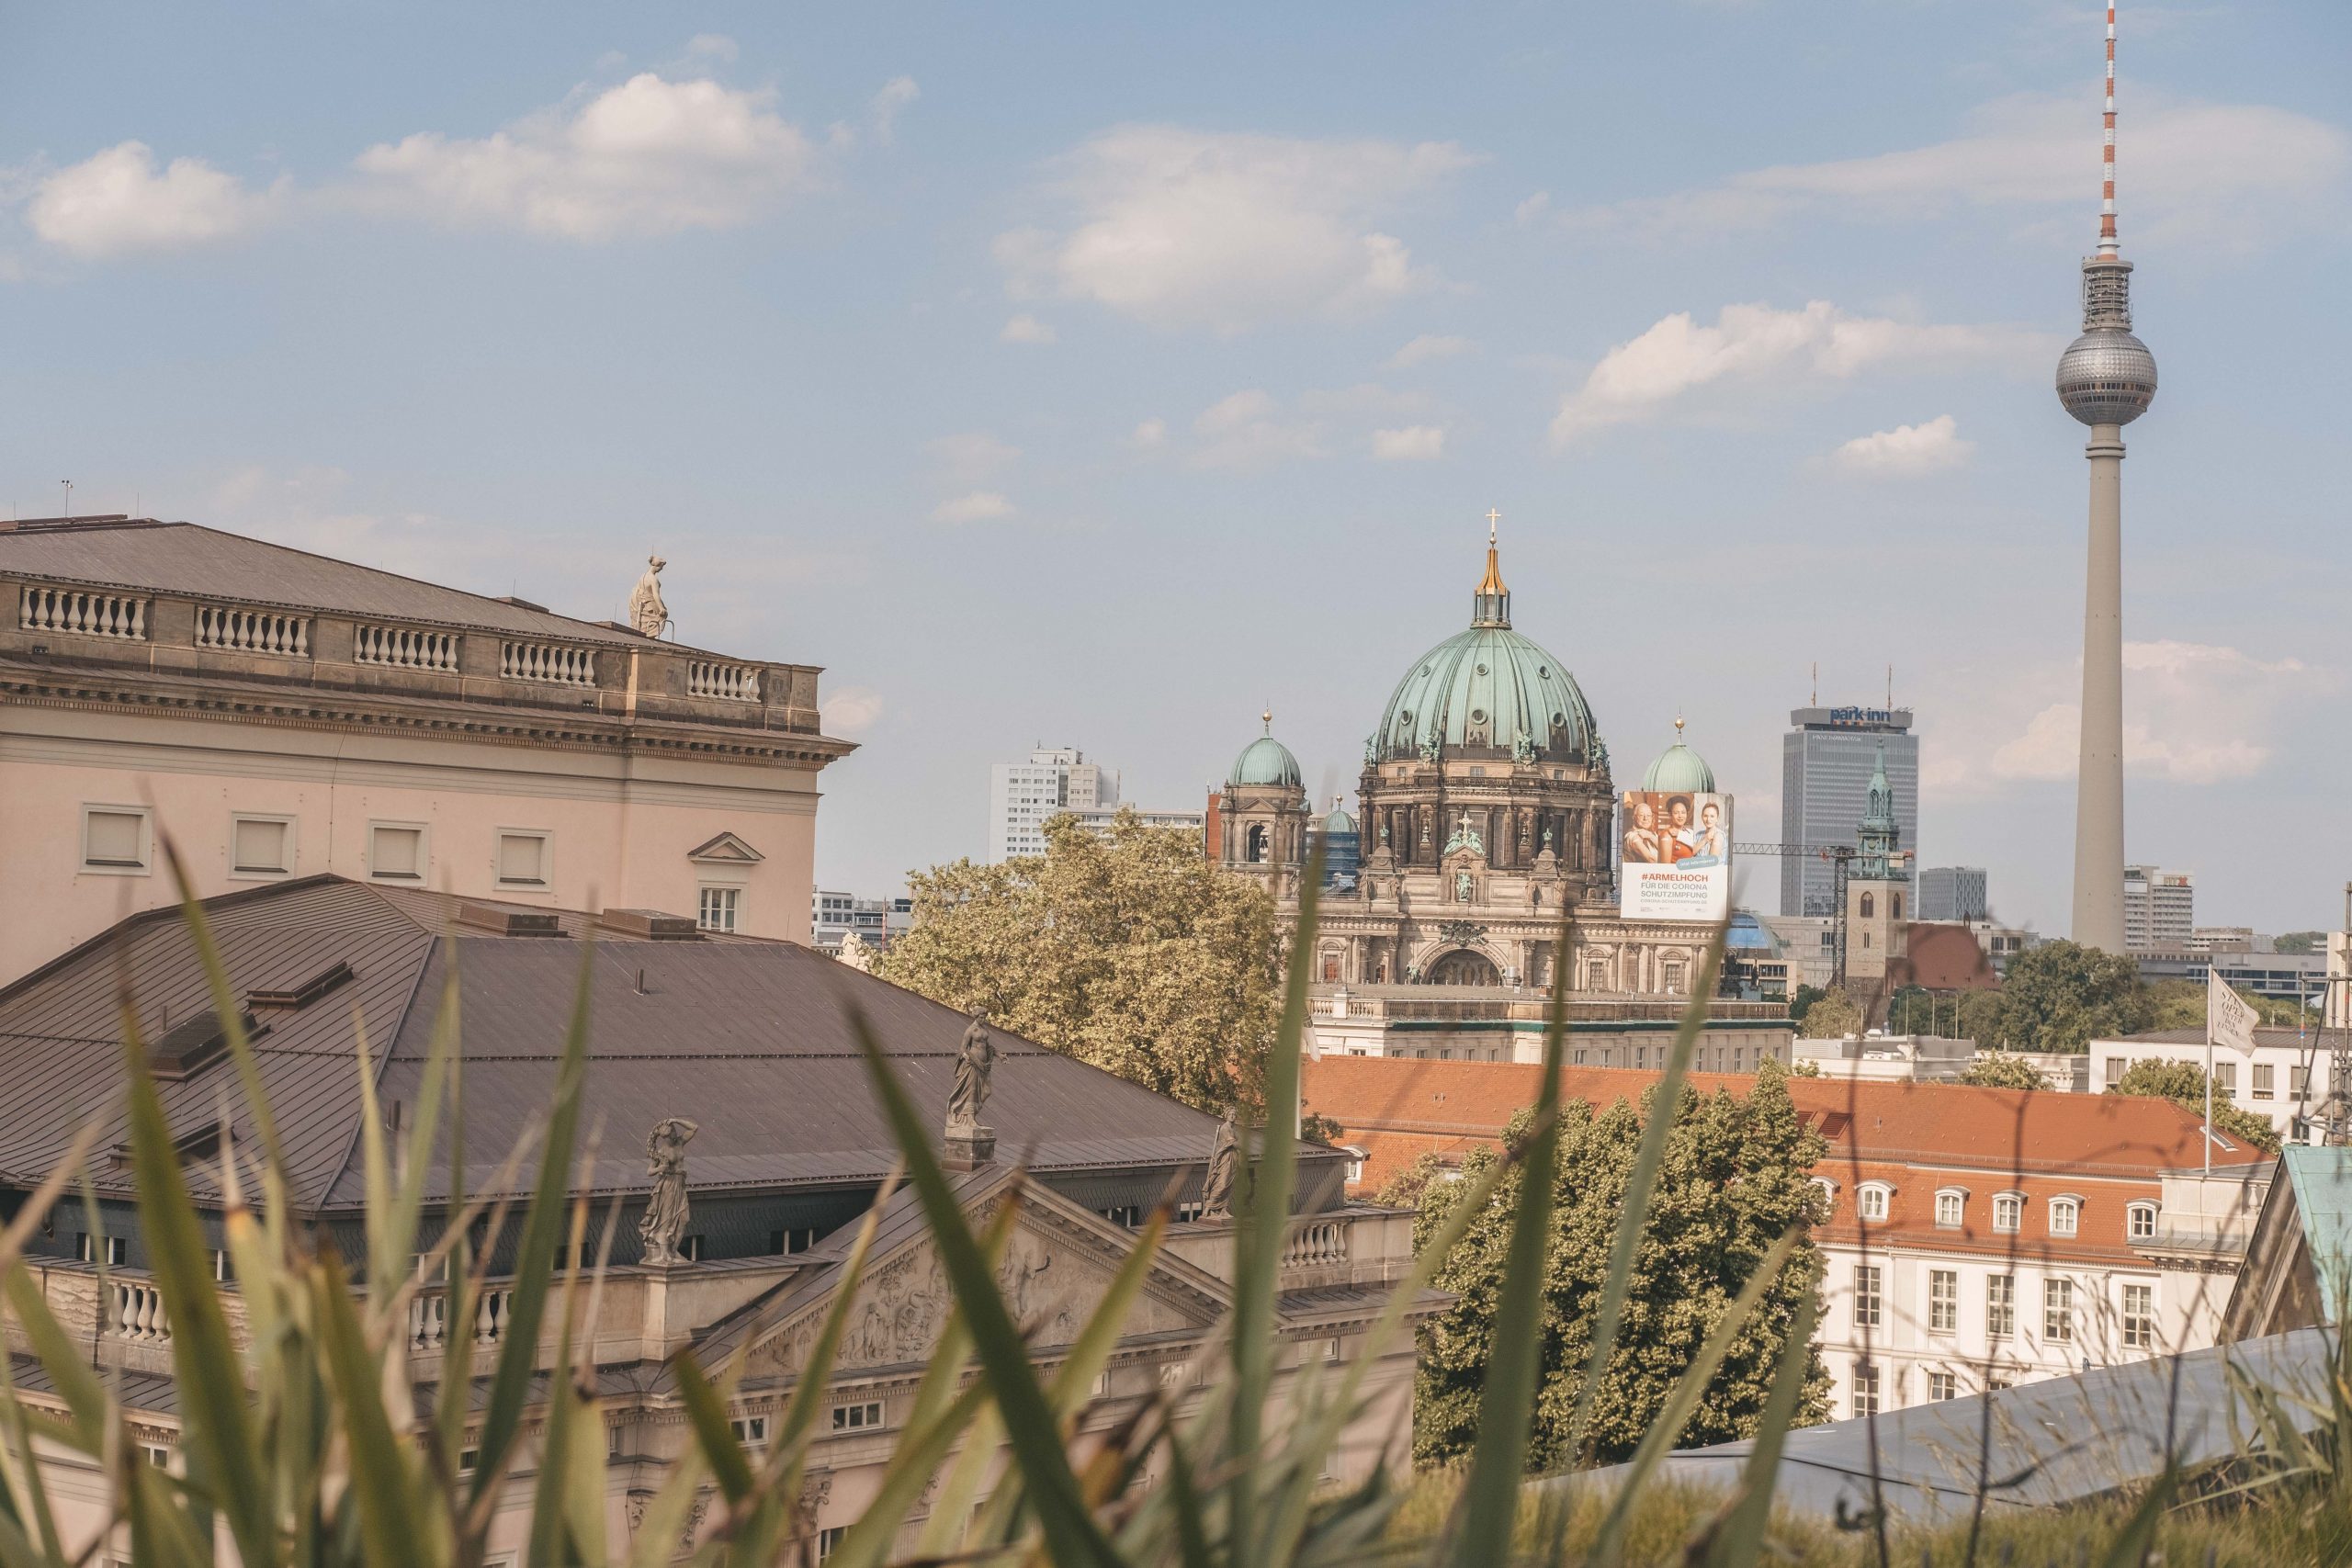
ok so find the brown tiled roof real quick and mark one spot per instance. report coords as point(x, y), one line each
point(751, 1039)
point(150, 557)
point(1917, 1137)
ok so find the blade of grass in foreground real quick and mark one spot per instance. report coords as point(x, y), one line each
point(1488, 1509)
point(1739, 1527)
point(1072, 1535)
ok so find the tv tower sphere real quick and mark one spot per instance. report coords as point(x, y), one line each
point(2107, 376)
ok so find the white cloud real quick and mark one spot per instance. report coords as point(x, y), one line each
point(2194, 713)
point(1429, 346)
point(1150, 432)
point(1187, 228)
point(1641, 377)
point(895, 95)
point(970, 455)
point(977, 507)
point(1026, 328)
point(647, 156)
point(1414, 443)
point(1535, 207)
point(2227, 176)
point(853, 710)
point(116, 202)
point(1249, 430)
point(1924, 449)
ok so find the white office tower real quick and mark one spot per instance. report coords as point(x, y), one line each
point(2159, 909)
point(1025, 797)
point(2106, 379)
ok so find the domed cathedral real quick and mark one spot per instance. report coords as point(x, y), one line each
point(1486, 809)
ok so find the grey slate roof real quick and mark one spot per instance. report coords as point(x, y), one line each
point(749, 1039)
point(2053, 1441)
point(205, 563)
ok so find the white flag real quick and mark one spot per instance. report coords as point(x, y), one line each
point(2229, 1017)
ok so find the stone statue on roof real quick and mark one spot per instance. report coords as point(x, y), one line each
point(664, 1225)
point(1225, 1164)
point(647, 613)
point(974, 1061)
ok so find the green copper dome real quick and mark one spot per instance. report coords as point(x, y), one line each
point(1339, 821)
point(1265, 761)
point(1488, 691)
point(1680, 768)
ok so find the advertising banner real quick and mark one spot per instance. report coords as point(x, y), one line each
point(1675, 863)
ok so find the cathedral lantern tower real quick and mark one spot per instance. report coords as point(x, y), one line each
point(1262, 819)
point(1877, 890)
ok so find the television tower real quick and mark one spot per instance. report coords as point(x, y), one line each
point(2106, 379)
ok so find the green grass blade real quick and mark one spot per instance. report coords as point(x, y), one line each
point(1663, 1110)
point(544, 1224)
point(1739, 1528)
point(917, 1455)
point(1688, 1389)
point(378, 1469)
point(707, 1415)
point(1490, 1503)
point(1071, 1534)
point(1264, 1220)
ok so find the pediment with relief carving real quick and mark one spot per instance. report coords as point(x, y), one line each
point(1056, 1267)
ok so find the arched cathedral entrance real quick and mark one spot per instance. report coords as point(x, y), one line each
point(1464, 968)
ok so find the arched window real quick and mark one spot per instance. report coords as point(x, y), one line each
point(1330, 963)
point(1951, 1206)
point(1871, 1200)
point(1869, 906)
point(1895, 905)
point(1595, 976)
point(1670, 977)
point(2008, 1212)
point(2142, 1226)
point(2065, 1215)
point(1254, 844)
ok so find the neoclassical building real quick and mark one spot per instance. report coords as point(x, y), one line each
point(1487, 812)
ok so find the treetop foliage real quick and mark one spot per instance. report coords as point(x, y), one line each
point(2184, 1084)
point(1126, 949)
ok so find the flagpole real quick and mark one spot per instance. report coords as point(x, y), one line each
point(2208, 1092)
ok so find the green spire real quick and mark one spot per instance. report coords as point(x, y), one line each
point(1878, 831)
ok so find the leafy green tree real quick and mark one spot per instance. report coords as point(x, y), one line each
point(2301, 942)
point(2183, 1083)
point(2061, 996)
point(1802, 1003)
point(1126, 948)
point(2000, 1069)
point(1832, 1016)
point(1404, 1189)
point(1735, 1179)
point(2180, 1004)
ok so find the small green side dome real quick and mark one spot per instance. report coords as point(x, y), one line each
point(1265, 761)
point(1680, 768)
point(1339, 821)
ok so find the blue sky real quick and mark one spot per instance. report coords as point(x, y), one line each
point(1098, 376)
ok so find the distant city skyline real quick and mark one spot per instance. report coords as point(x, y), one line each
point(1111, 378)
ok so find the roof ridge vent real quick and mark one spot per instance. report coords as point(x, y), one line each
point(651, 925)
point(194, 1043)
point(303, 995)
point(501, 920)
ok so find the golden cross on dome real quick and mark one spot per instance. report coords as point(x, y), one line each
point(1493, 517)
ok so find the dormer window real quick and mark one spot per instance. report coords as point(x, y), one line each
point(2008, 1212)
point(1871, 1200)
point(2141, 1221)
point(2065, 1215)
point(1952, 1208)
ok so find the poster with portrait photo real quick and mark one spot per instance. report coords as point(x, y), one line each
point(1674, 855)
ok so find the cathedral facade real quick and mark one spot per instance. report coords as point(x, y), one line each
point(1487, 817)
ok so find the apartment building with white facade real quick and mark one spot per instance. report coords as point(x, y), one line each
point(2286, 1078)
point(1025, 797)
point(1973, 1237)
point(278, 714)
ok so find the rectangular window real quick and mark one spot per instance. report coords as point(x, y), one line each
point(261, 846)
point(2064, 1216)
point(2008, 1212)
point(2298, 1081)
point(2225, 1080)
point(2058, 1309)
point(220, 1269)
point(2262, 1082)
point(718, 908)
point(1868, 1299)
point(690, 1248)
point(1949, 1206)
point(2000, 1305)
point(857, 1417)
point(2115, 1067)
point(522, 859)
point(1943, 1301)
point(396, 851)
point(114, 839)
point(1865, 1388)
point(1994, 1385)
point(2139, 1317)
point(1942, 1386)
point(829, 1541)
point(2143, 1222)
point(156, 1454)
point(85, 1247)
point(751, 1431)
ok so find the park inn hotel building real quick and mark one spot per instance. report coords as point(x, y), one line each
point(278, 714)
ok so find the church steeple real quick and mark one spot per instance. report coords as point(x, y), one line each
point(1878, 831)
point(1491, 603)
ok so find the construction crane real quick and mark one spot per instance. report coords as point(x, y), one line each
point(1840, 858)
